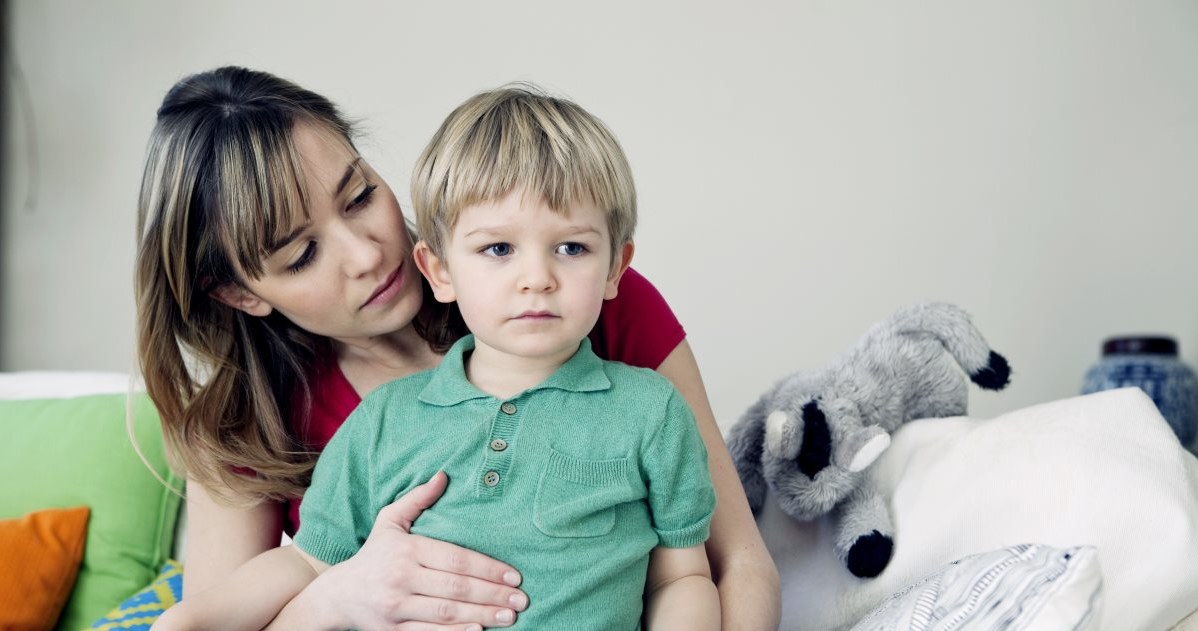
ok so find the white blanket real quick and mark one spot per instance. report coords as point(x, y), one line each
point(1102, 470)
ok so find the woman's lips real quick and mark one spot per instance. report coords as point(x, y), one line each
point(388, 290)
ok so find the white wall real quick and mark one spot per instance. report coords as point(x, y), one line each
point(805, 167)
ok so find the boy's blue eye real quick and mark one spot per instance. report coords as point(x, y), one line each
point(498, 249)
point(571, 249)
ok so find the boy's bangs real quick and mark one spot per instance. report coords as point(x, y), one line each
point(554, 166)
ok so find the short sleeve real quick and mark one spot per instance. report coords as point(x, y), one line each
point(338, 510)
point(681, 496)
point(636, 327)
point(333, 399)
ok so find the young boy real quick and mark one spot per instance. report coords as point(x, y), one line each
point(588, 476)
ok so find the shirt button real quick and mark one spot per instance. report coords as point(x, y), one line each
point(499, 444)
point(491, 478)
point(508, 408)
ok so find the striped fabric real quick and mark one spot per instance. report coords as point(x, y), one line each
point(140, 610)
point(1021, 588)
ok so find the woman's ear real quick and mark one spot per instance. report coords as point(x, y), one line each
point(435, 271)
point(621, 259)
point(241, 299)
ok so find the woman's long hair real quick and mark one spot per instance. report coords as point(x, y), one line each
point(222, 178)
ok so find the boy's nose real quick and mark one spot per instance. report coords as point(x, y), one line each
point(536, 275)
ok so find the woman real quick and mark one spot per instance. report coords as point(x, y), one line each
point(274, 288)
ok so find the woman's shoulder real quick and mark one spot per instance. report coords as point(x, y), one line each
point(637, 327)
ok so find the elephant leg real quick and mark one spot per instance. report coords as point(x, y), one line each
point(865, 536)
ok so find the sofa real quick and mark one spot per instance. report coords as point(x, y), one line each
point(89, 508)
point(1099, 477)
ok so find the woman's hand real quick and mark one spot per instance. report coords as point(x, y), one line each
point(401, 581)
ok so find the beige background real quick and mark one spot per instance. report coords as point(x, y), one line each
point(805, 167)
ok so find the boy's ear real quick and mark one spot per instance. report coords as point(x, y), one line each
point(241, 299)
point(621, 259)
point(435, 271)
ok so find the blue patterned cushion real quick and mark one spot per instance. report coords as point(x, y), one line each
point(140, 610)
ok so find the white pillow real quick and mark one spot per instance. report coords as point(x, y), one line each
point(1022, 588)
point(63, 384)
point(1102, 470)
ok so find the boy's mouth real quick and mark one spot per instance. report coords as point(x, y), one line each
point(536, 315)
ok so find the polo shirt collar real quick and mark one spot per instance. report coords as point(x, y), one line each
point(583, 372)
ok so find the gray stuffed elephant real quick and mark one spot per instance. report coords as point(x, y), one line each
point(813, 433)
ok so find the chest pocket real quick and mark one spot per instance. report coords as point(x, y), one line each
point(578, 498)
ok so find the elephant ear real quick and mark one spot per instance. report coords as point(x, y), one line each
point(782, 437)
point(744, 444)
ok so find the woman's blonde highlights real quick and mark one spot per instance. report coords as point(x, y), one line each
point(223, 180)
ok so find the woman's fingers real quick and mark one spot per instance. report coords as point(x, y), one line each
point(469, 590)
point(436, 585)
point(446, 557)
point(403, 512)
point(439, 611)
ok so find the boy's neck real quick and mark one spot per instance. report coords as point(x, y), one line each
point(503, 375)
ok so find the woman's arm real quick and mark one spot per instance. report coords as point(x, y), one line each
point(221, 538)
point(396, 577)
point(399, 578)
point(744, 572)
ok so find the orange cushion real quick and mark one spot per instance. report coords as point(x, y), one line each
point(39, 557)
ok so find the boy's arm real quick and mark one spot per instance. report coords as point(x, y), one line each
point(251, 597)
point(742, 567)
point(679, 592)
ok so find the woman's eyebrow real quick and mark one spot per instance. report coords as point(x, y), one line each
point(277, 244)
point(349, 173)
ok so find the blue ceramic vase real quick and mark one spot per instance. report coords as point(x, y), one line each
point(1151, 364)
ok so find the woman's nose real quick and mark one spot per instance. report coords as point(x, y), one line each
point(362, 252)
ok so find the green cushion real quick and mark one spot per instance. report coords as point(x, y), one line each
point(72, 452)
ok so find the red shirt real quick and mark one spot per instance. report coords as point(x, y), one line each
point(636, 327)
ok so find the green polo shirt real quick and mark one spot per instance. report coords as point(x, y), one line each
point(572, 482)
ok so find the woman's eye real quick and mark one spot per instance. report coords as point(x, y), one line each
point(304, 259)
point(363, 198)
point(498, 249)
point(571, 249)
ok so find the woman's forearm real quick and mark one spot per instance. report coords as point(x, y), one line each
point(221, 538)
point(742, 568)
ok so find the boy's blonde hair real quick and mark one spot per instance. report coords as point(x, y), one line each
point(518, 136)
